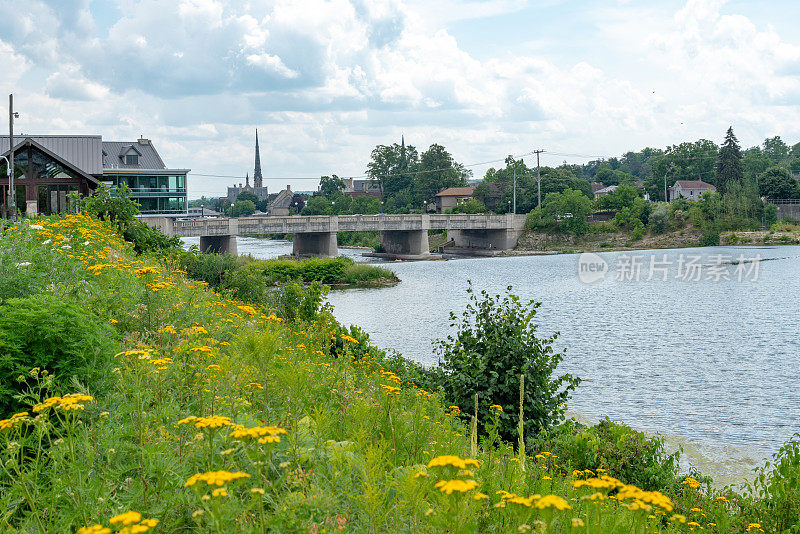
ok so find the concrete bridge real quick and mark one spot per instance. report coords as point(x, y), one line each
point(403, 236)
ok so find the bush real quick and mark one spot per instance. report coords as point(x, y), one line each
point(659, 218)
point(53, 334)
point(295, 302)
point(471, 205)
point(495, 343)
point(778, 484)
point(625, 453)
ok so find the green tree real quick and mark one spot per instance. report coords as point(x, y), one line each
point(365, 205)
point(495, 343)
point(729, 165)
point(776, 150)
point(470, 205)
point(437, 170)
point(393, 167)
point(317, 206)
point(247, 195)
point(777, 182)
point(330, 185)
point(241, 208)
point(569, 209)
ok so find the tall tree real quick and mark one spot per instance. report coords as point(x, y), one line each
point(393, 167)
point(438, 170)
point(330, 185)
point(729, 163)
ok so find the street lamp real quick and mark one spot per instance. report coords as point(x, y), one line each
point(202, 211)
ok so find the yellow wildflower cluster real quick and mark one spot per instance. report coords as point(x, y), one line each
point(604, 482)
point(214, 421)
point(496, 407)
point(249, 310)
point(215, 478)
point(14, 420)
point(155, 287)
point(67, 403)
point(161, 363)
point(148, 270)
point(391, 390)
point(169, 329)
point(348, 338)
point(449, 460)
point(264, 434)
point(462, 486)
point(199, 330)
point(692, 483)
point(641, 497)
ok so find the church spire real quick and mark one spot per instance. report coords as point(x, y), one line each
point(257, 178)
point(247, 180)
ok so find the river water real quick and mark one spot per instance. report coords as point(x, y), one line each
point(698, 345)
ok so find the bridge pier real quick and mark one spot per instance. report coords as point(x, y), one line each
point(315, 244)
point(410, 244)
point(485, 240)
point(218, 244)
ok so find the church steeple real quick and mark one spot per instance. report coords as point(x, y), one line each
point(247, 180)
point(257, 178)
point(403, 151)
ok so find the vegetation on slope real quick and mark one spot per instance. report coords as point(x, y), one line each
point(220, 415)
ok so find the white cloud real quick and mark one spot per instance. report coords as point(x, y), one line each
point(326, 81)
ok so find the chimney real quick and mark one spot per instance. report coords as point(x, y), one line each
point(289, 188)
point(143, 141)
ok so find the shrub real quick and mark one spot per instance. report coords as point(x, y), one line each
point(659, 218)
point(638, 231)
point(49, 332)
point(495, 343)
point(778, 483)
point(624, 452)
point(471, 205)
point(295, 302)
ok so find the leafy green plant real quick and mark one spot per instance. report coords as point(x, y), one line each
point(53, 334)
point(778, 484)
point(494, 344)
point(623, 452)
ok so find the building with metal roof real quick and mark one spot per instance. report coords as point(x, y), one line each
point(47, 168)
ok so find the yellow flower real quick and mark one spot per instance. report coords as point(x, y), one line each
point(678, 518)
point(577, 522)
point(454, 461)
point(496, 407)
point(204, 348)
point(214, 421)
point(480, 496)
point(552, 501)
point(691, 482)
point(215, 478)
point(219, 492)
point(249, 310)
point(94, 529)
point(128, 518)
point(169, 329)
point(449, 486)
point(259, 491)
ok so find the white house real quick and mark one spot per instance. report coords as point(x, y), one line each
point(691, 189)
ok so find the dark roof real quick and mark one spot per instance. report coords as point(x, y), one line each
point(597, 186)
point(114, 152)
point(456, 192)
point(694, 184)
point(30, 141)
point(282, 199)
point(81, 151)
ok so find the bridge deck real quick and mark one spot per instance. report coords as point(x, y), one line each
point(341, 223)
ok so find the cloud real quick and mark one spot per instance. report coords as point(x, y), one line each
point(328, 80)
point(69, 84)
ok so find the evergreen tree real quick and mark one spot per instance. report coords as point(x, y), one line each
point(729, 164)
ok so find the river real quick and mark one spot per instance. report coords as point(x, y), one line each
point(711, 364)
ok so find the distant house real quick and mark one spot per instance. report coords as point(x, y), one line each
point(281, 203)
point(597, 186)
point(604, 191)
point(202, 212)
point(356, 188)
point(691, 189)
point(450, 197)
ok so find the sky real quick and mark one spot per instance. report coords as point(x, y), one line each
point(326, 81)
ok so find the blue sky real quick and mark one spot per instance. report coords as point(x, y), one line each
point(326, 81)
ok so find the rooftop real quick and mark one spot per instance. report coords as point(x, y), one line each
point(456, 192)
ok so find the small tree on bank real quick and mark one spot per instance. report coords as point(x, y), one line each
point(495, 343)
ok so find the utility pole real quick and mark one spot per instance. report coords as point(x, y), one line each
point(515, 190)
point(12, 205)
point(671, 165)
point(538, 177)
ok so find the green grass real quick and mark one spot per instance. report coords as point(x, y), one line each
point(351, 437)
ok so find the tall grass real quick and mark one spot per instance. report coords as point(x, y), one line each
point(222, 417)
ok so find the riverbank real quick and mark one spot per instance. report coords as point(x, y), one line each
point(216, 414)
